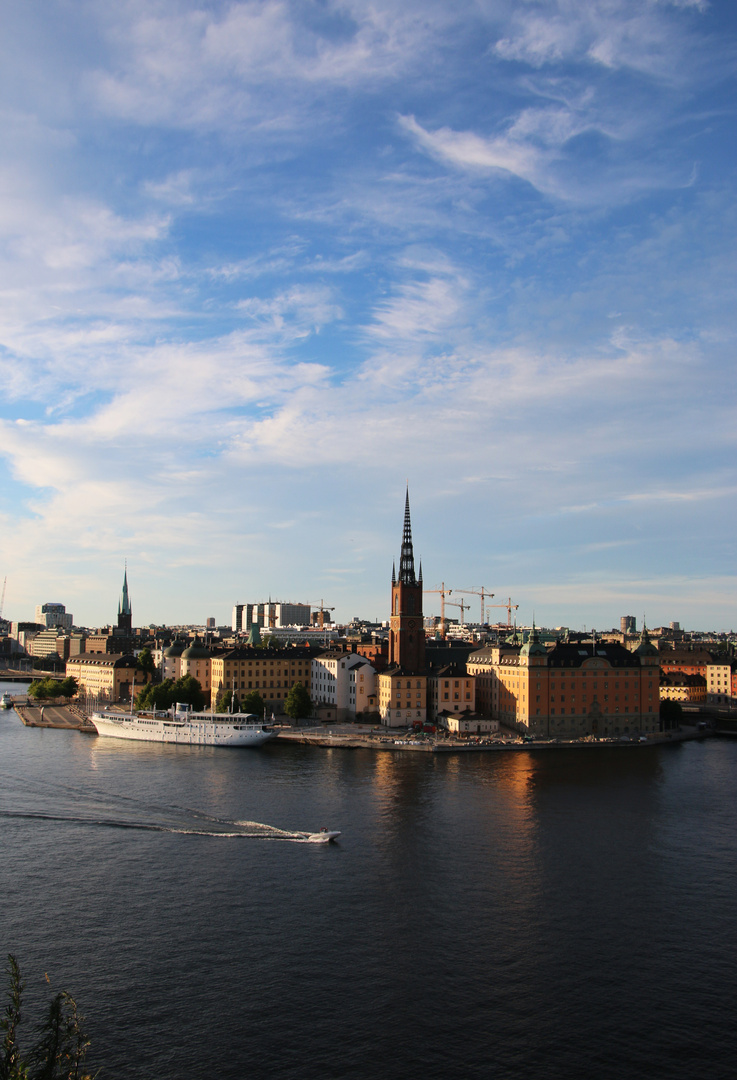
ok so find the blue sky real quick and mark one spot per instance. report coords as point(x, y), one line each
point(261, 264)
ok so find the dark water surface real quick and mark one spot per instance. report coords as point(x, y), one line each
point(551, 915)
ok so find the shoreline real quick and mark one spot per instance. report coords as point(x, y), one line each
point(383, 742)
point(72, 718)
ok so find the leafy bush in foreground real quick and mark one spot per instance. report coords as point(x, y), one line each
point(61, 1047)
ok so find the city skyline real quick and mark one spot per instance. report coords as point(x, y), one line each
point(262, 263)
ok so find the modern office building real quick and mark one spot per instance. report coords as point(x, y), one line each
point(51, 615)
point(269, 615)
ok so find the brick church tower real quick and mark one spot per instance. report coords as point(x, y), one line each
point(407, 633)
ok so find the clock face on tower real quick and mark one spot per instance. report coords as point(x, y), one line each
point(411, 624)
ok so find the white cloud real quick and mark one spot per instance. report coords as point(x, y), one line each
point(614, 33)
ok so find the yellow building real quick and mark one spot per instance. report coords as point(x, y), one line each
point(106, 677)
point(678, 686)
point(273, 672)
point(571, 690)
point(402, 697)
point(450, 689)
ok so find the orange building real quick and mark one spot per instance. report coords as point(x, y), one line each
point(573, 689)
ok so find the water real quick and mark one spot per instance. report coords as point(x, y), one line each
point(552, 915)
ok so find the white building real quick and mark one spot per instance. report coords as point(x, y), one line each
point(332, 683)
point(467, 723)
point(362, 688)
point(269, 616)
point(50, 615)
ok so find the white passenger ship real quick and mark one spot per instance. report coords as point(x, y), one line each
point(180, 725)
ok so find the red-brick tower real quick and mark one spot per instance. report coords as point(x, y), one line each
point(407, 633)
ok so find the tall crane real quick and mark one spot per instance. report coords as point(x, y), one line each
point(509, 606)
point(321, 613)
point(461, 604)
point(443, 593)
point(2, 598)
point(482, 592)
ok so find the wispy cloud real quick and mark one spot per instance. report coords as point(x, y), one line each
point(259, 262)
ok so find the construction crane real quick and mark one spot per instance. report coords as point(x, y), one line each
point(321, 613)
point(443, 593)
point(482, 592)
point(509, 606)
point(461, 604)
point(2, 598)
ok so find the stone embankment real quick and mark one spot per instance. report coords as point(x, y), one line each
point(68, 716)
point(348, 736)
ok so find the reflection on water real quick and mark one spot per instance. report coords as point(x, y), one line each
point(554, 915)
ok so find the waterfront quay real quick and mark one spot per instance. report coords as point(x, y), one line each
point(355, 736)
point(68, 717)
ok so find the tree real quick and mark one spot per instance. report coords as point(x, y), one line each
point(145, 663)
point(41, 689)
point(298, 704)
point(671, 714)
point(253, 703)
point(62, 1047)
point(227, 701)
point(48, 663)
point(68, 687)
point(189, 692)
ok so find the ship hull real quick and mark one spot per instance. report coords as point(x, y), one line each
point(197, 731)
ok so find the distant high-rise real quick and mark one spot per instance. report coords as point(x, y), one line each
point(125, 613)
point(269, 616)
point(50, 615)
point(628, 624)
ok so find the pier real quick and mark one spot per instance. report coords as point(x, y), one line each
point(66, 717)
point(345, 736)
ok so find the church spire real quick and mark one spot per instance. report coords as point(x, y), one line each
point(124, 607)
point(407, 560)
point(125, 612)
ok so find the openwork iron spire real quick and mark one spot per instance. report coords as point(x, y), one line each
point(407, 561)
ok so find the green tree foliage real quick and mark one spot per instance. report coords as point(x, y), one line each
point(62, 1047)
point(163, 695)
point(68, 687)
point(42, 689)
point(48, 663)
point(253, 703)
point(671, 714)
point(298, 704)
point(145, 663)
point(52, 663)
point(227, 701)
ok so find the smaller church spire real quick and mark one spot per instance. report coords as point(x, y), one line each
point(125, 611)
point(124, 607)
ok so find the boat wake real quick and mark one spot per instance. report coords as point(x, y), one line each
point(103, 809)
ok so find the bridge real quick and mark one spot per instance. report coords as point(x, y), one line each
point(24, 675)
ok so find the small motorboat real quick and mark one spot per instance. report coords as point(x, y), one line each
point(324, 836)
point(6, 702)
